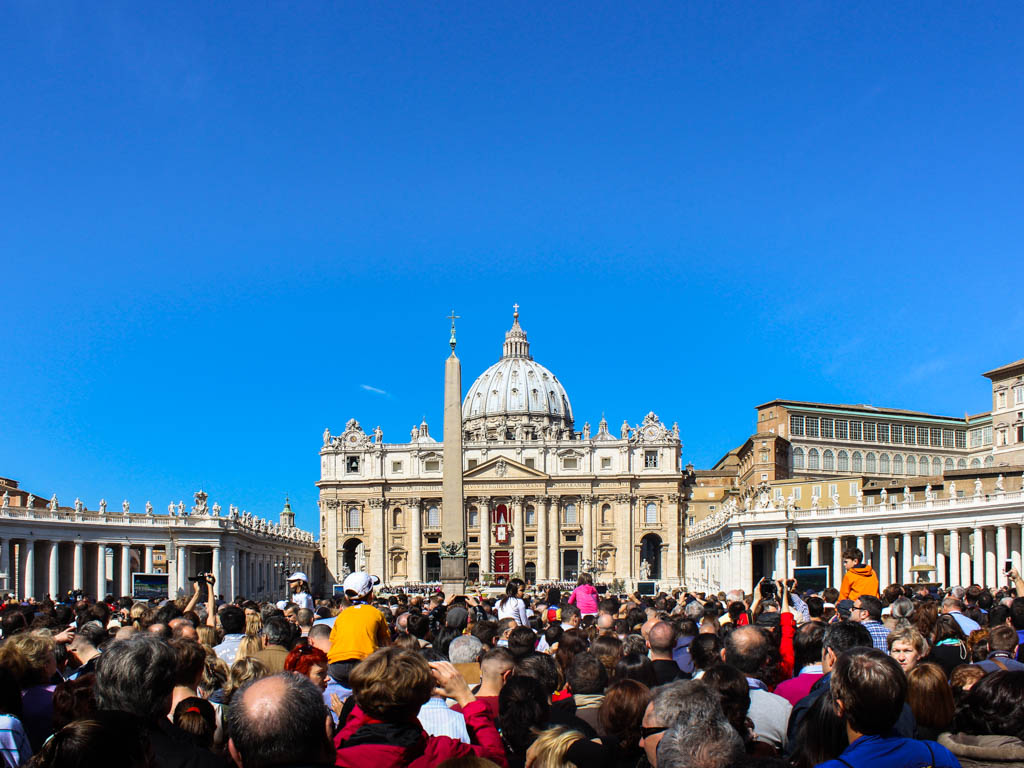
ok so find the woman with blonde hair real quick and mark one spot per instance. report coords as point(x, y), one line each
point(31, 659)
point(242, 671)
point(253, 624)
point(907, 646)
point(248, 647)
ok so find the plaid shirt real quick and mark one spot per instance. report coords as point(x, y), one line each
point(879, 634)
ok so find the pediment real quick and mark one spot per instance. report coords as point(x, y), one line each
point(503, 468)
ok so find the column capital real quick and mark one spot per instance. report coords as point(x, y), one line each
point(414, 501)
point(483, 500)
point(376, 502)
point(518, 500)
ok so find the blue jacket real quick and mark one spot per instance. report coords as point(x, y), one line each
point(881, 752)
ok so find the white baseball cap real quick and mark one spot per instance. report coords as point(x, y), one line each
point(298, 576)
point(359, 583)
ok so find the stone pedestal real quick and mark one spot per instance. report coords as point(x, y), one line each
point(453, 575)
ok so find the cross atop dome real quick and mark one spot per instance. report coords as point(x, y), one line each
point(516, 344)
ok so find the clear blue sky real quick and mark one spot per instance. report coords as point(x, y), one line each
point(219, 221)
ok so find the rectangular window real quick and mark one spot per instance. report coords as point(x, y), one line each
point(842, 429)
point(936, 437)
point(883, 433)
point(797, 492)
point(1018, 395)
point(796, 426)
point(569, 463)
point(855, 430)
point(922, 435)
point(853, 489)
point(1020, 434)
point(897, 433)
point(910, 435)
point(961, 438)
point(472, 463)
point(833, 489)
point(432, 465)
point(778, 494)
point(396, 466)
point(812, 426)
point(947, 438)
point(986, 436)
point(530, 462)
point(869, 431)
point(650, 459)
point(975, 438)
point(606, 462)
point(1001, 397)
point(826, 428)
point(816, 491)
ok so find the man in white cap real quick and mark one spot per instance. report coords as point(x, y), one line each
point(359, 629)
point(300, 590)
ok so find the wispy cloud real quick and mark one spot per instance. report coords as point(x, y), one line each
point(375, 390)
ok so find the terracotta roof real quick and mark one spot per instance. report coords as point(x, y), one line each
point(995, 372)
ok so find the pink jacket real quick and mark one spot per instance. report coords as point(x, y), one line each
point(428, 751)
point(585, 598)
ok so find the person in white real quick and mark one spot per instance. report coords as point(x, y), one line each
point(512, 605)
point(300, 590)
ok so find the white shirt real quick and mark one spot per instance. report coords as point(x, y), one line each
point(438, 720)
point(514, 608)
point(303, 600)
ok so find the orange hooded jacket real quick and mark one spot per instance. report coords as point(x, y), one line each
point(860, 580)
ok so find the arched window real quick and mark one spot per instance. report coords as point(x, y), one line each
point(606, 514)
point(828, 460)
point(473, 517)
point(396, 518)
point(798, 458)
point(858, 462)
point(869, 463)
point(651, 513)
point(948, 466)
point(844, 461)
point(989, 461)
point(570, 514)
point(911, 465)
point(883, 463)
point(961, 464)
point(897, 464)
point(975, 463)
point(353, 517)
point(531, 515)
point(812, 458)
point(924, 467)
point(433, 517)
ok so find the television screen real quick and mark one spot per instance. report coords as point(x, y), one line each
point(150, 586)
point(811, 578)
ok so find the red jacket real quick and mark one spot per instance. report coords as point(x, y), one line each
point(428, 750)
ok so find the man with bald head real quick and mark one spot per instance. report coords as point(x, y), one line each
point(747, 649)
point(605, 624)
point(661, 639)
point(280, 720)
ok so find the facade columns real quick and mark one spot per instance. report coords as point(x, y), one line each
point(485, 537)
point(126, 569)
point(780, 559)
point(28, 569)
point(216, 567)
point(148, 567)
point(588, 530)
point(862, 546)
point(929, 548)
point(1002, 554)
point(78, 578)
point(416, 539)
point(954, 557)
point(747, 564)
point(542, 538)
point(179, 562)
point(554, 540)
point(907, 556)
point(978, 572)
point(815, 551)
point(883, 561)
point(1016, 545)
point(518, 538)
point(939, 548)
point(54, 570)
point(991, 575)
point(837, 560)
point(5, 564)
point(101, 571)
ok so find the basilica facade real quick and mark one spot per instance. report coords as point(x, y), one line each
point(543, 499)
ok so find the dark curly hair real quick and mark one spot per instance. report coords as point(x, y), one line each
point(993, 706)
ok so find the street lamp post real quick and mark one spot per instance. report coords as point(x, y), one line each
point(286, 566)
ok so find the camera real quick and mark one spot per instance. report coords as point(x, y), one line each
point(767, 588)
point(203, 578)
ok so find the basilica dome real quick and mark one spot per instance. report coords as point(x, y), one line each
point(517, 397)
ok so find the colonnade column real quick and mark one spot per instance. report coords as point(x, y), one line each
point(554, 540)
point(837, 560)
point(518, 538)
point(929, 549)
point(54, 570)
point(780, 558)
point(991, 576)
point(180, 563)
point(126, 569)
point(485, 536)
point(101, 571)
point(28, 569)
point(954, 557)
point(863, 547)
point(907, 556)
point(542, 538)
point(747, 565)
point(588, 529)
point(978, 570)
point(1001, 553)
point(815, 551)
point(939, 547)
point(216, 568)
point(416, 541)
point(5, 566)
point(78, 566)
point(148, 559)
point(883, 560)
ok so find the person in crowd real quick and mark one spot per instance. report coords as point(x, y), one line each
point(618, 722)
point(435, 716)
point(867, 609)
point(512, 605)
point(280, 720)
point(948, 644)
point(31, 657)
point(196, 717)
point(586, 679)
point(963, 678)
point(585, 596)
point(464, 652)
point(232, 622)
point(277, 642)
point(15, 748)
point(951, 606)
point(608, 649)
point(189, 668)
point(389, 687)
point(930, 699)
point(820, 736)
point(870, 689)
point(1002, 648)
point(85, 647)
point(310, 662)
point(734, 695)
point(705, 651)
point(807, 662)
point(635, 666)
point(113, 735)
point(988, 725)
point(496, 667)
point(359, 629)
point(137, 676)
point(859, 579)
point(685, 703)
point(714, 744)
point(661, 640)
point(524, 712)
point(299, 586)
point(907, 646)
point(747, 649)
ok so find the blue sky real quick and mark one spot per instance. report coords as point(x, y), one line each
point(221, 223)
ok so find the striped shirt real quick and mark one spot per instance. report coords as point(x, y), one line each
point(438, 720)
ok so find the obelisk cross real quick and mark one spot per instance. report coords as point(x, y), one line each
point(453, 317)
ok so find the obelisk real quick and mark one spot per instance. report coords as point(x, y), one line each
point(453, 517)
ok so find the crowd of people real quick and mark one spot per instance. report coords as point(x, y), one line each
point(537, 677)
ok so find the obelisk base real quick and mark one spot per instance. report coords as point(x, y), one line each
point(453, 575)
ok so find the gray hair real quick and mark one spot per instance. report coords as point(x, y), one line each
point(686, 702)
point(713, 744)
point(465, 649)
point(902, 608)
point(137, 675)
point(694, 610)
